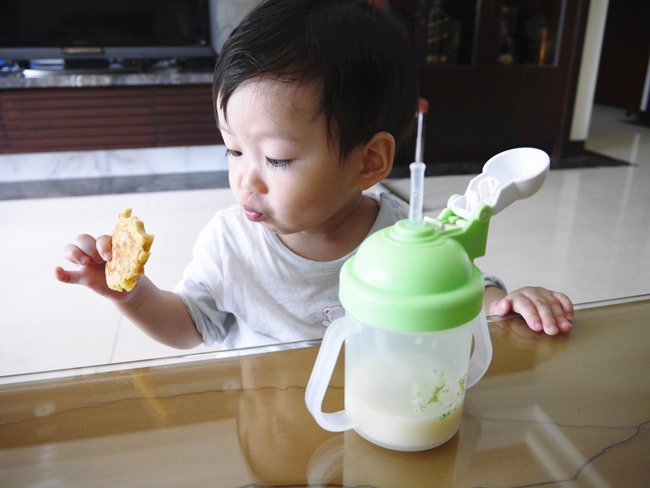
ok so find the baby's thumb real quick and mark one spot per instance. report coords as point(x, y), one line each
point(500, 307)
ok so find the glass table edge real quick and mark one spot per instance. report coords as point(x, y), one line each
point(233, 353)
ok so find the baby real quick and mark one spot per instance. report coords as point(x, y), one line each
point(312, 98)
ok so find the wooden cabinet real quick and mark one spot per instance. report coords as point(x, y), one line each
point(62, 119)
point(504, 77)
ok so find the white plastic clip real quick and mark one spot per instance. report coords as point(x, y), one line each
point(509, 176)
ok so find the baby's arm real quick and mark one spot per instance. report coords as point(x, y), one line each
point(161, 314)
point(542, 309)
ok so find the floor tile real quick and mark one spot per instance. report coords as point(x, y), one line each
point(119, 162)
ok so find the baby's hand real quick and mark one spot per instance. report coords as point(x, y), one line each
point(542, 309)
point(90, 256)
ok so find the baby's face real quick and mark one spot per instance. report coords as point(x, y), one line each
point(283, 170)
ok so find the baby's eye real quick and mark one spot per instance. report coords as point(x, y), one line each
point(234, 154)
point(278, 163)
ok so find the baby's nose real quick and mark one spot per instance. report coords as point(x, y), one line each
point(252, 179)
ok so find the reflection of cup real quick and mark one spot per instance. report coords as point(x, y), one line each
point(352, 461)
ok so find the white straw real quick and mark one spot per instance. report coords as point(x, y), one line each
point(417, 177)
point(417, 190)
point(418, 141)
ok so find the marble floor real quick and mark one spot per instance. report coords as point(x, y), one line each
point(587, 233)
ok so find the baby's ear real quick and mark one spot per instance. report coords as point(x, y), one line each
point(378, 156)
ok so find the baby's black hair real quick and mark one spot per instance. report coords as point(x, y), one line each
point(361, 56)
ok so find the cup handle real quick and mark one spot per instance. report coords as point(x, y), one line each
point(329, 351)
point(480, 360)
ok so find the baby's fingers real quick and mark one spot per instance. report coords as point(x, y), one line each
point(76, 255)
point(553, 318)
point(527, 309)
point(88, 249)
point(88, 245)
point(566, 303)
point(89, 276)
point(103, 246)
point(541, 314)
point(65, 276)
point(90, 255)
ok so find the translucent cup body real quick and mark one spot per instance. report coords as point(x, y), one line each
point(403, 390)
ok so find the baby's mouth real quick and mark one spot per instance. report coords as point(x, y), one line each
point(252, 214)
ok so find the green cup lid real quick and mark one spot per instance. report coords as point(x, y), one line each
point(411, 278)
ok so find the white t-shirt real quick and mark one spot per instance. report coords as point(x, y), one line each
point(245, 288)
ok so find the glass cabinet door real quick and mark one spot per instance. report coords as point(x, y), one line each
point(530, 32)
point(444, 31)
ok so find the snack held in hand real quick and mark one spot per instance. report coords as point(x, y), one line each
point(130, 249)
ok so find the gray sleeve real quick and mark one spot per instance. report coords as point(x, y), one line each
point(202, 284)
point(490, 280)
point(212, 323)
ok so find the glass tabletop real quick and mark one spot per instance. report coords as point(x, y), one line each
point(567, 409)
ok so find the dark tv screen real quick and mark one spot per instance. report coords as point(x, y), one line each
point(63, 29)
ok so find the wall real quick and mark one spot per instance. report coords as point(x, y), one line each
point(227, 14)
point(588, 70)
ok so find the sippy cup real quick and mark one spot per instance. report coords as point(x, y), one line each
point(413, 300)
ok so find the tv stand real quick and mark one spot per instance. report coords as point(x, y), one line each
point(43, 71)
point(125, 66)
point(73, 112)
point(85, 64)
